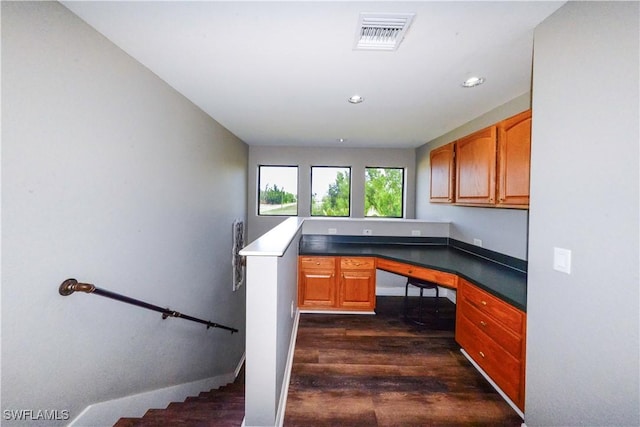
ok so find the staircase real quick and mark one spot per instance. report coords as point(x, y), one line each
point(223, 407)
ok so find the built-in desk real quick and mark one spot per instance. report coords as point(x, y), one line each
point(335, 273)
point(500, 275)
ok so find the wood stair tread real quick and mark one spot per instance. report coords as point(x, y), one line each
point(223, 407)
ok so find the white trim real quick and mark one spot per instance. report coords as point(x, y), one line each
point(276, 241)
point(236, 372)
point(136, 405)
point(282, 406)
point(307, 311)
point(498, 389)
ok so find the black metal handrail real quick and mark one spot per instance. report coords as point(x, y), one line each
point(70, 286)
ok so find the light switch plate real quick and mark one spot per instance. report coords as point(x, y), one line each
point(562, 260)
point(415, 232)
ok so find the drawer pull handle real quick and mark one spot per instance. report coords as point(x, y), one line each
point(483, 302)
point(318, 263)
point(483, 323)
point(482, 355)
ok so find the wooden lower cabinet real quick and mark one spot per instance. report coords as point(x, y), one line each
point(317, 282)
point(338, 283)
point(357, 287)
point(493, 332)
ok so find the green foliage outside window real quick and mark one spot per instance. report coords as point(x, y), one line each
point(334, 199)
point(273, 195)
point(383, 192)
point(277, 190)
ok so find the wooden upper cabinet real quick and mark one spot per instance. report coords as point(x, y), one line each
point(514, 158)
point(442, 174)
point(476, 168)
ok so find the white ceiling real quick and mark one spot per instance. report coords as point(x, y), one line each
point(280, 73)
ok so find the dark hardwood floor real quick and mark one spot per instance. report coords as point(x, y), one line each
point(366, 370)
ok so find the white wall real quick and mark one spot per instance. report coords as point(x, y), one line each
point(377, 227)
point(272, 294)
point(501, 230)
point(582, 338)
point(357, 158)
point(111, 177)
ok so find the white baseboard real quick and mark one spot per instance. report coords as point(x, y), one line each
point(236, 372)
point(110, 411)
point(282, 405)
point(307, 311)
point(498, 389)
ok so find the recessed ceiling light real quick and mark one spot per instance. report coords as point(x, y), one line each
point(473, 81)
point(356, 99)
point(342, 139)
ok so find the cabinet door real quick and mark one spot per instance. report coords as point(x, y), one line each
point(476, 168)
point(442, 174)
point(357, 289)
point(317, 288)
point(514, 155)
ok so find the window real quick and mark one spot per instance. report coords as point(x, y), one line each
point(278, 190)
point(330, 191)
point(383, 190)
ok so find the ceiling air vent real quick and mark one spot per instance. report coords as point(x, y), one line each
point(381, 31)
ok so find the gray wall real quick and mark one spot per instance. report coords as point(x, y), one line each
point(112, 177)
point(582, 339)
point(501, 230)
point(357, 158)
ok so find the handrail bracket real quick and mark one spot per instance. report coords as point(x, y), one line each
point(70, 286)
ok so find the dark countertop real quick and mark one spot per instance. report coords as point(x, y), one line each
point(500, 275)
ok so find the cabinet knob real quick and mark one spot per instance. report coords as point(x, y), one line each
point(482, 355)
point(483, 323)
point(318, 263)
point(483, 302)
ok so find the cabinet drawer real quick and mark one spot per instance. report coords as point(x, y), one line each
point(445, 279)
point(492, 306)
point(357, 263)
point(313, 262)
point(511, 342)
point(502, 367)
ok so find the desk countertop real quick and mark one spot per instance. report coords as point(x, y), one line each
point(496, 276)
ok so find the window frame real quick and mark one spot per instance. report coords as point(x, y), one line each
point(297, 195)
point(311, 198)
point(402, 196)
